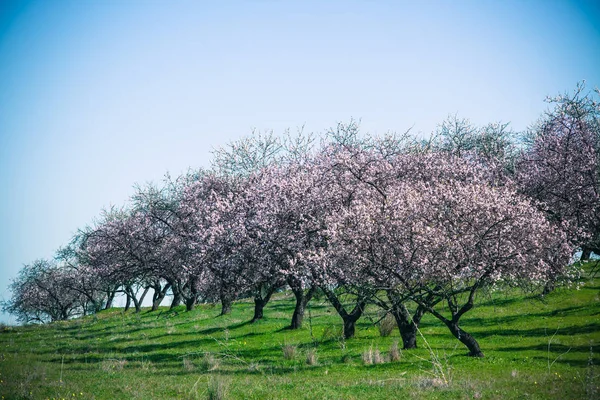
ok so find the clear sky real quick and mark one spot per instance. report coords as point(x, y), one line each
point(98, 95)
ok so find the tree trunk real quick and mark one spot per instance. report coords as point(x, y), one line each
point(259, 305)
point(127, 302)
point(159, 296)
point(138, 303)
point(260, 302)
point(190, 303)
point(302, 300)
point(176, 297)
point(465, 338)
point(349, 327)
point(349, 318)
point(110, 297)
point(225, 306)
point(548, 288)
point(586, 253)
point(407, 324)
point(131, 297)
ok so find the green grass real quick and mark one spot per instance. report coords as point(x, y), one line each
point(533, 349)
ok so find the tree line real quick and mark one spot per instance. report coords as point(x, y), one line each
point(399, 222)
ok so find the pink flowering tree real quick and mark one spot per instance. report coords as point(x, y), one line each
point(81, 277)
point(447, 240)
point(560, 167)
point(113, 247)
point(159, 214)
point(493, 147)
point(285, 224)
point(212, 210)
point(41, 293)
point(358, 174)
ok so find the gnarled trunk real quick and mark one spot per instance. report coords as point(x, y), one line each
point(260, 301)
point(452, 324)
point(465, 338)
point(302, 299)
point(127, 302)
point(110, 297)
point(349, 318)
point(131, 296)
point(408, 325)
point(226, 306)
point(586, 253)
point(176, 297)
point(190, 303)
point(159, 295)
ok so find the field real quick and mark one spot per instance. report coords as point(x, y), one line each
point(535, 349)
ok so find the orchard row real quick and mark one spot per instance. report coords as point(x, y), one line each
point(401, 223)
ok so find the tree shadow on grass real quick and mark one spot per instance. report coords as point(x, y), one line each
point(593, 327)
point(508, 319)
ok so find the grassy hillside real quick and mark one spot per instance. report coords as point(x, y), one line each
point(533, 349)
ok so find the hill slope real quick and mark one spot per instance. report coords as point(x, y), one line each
point(534, 349)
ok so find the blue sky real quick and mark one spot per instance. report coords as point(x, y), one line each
point(98, 95)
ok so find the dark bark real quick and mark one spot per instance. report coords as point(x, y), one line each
point(349, 327)
point(452, 324)
point(225, 306)
point(548, 288)
point(302, 299)
point(190, 303)
point(131, 296)
point(127, 302)
point(138, 303)
point(465, 338)
point(407, 325)
point(110, 297)
point(260, 301)
point(176, 297)
point(349, 318)
point(586, 253)
point(159, 295)
point(192, 297)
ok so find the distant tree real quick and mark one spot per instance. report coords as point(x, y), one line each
point(258, 158)
point(116, 248)
point(42, 293)
point(261, 149)
point(493, 146)
point(560, 167)
point(80, 276)
point(212, 210)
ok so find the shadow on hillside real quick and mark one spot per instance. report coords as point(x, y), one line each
point(540, 332)
point(558, 354)
point(555, 348)
point(172, 354)
point(112, 346)
point(133, 326)
point(508, 319)
point(503, 302)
